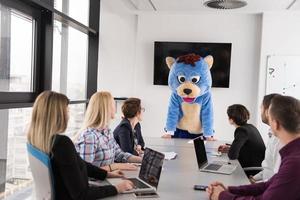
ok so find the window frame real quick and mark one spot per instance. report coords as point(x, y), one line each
point(44, 13)
point(8, 98)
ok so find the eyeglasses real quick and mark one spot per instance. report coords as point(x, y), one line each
point(143, 109)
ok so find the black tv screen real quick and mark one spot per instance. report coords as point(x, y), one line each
point(221, 53)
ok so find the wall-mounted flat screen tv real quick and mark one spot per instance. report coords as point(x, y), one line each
point(221, 52)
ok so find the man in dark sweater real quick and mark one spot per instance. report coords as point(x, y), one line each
point(284, 116)
point(248, 146)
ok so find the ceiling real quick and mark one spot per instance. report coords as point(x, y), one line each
point(254, 6)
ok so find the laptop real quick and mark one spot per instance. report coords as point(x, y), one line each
point(219, 167)
point(149, 173)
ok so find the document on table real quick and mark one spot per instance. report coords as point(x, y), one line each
point(191, 142)
point(170, 155)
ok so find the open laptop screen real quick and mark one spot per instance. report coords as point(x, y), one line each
point(151, 167)
point(200, 152)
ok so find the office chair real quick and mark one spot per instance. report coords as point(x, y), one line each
point(253, 169)
point(42, 173)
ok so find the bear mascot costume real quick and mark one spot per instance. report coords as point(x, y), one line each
point(190, 112)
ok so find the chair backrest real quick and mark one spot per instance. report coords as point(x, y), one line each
point(40, 165)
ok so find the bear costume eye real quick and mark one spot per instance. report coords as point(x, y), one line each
point(195, 79)
point(181, 79)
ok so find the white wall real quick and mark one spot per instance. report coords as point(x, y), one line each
point(117, 51)
point(280, 36)
point(243, 31)
point(131, 74)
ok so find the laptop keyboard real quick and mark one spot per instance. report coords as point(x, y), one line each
point(214, 167)
point(138, 184)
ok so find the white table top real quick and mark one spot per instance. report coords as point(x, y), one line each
point(180, 175)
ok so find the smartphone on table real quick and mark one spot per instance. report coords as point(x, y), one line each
point(200, 187)
point(145, 194)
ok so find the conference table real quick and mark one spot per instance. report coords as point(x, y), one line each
point(179, 175)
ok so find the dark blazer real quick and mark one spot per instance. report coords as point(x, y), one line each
point(71, 173)
point(125, 136)
point(248, 147)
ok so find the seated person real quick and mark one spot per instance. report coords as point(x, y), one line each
point(95, 142)
point(272, 158)
point(248, 146)
point(128, 133)
point(284, 119)
point(70, 172)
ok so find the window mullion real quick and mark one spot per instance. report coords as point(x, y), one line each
point(93, 48)
point(46, 50)
point(5, 45)
point(3, 147)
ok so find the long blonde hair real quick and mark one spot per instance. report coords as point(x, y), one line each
point(49, 117)
point(98, 113)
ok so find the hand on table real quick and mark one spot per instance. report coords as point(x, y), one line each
point(214, 190)
point(139, 150)
point(210, 139)
point(166, 136)
point(252, 180)
point(223, 148)
point(125, 166)
point(124, 186)
point(115, 174)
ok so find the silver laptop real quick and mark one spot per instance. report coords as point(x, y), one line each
point(219, 167)
point(149, 173)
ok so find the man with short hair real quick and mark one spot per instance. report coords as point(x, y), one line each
point(284, 119)
point(272, 157)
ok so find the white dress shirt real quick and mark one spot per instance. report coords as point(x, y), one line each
point(272, 160)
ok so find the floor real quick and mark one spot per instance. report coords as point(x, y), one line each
point(24, 194)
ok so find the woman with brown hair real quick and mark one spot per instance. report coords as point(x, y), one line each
point(95, 142)
point(248, 146)
point(128, 133)
point(70, 173)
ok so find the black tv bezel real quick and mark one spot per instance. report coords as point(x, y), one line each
point(193, 42)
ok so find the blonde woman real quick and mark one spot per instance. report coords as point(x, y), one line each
point(95, 142)
point(49, 120)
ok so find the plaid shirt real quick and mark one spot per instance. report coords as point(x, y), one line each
point(99, 147)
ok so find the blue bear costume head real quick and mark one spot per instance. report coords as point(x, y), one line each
point(190, 107)
point(190, 76)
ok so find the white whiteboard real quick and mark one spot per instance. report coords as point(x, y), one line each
point(283, 75)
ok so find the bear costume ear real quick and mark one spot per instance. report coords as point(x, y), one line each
point(209, 60)
point(170, 61)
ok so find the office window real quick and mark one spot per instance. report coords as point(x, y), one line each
point(69, 61)
point(42, 49)
point(76, 112)
point(17, 47)
point(14, 158)
point(14, 123)
point(77, 9)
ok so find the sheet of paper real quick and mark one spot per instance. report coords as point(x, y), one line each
point(170, 155)
point(191, 142)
